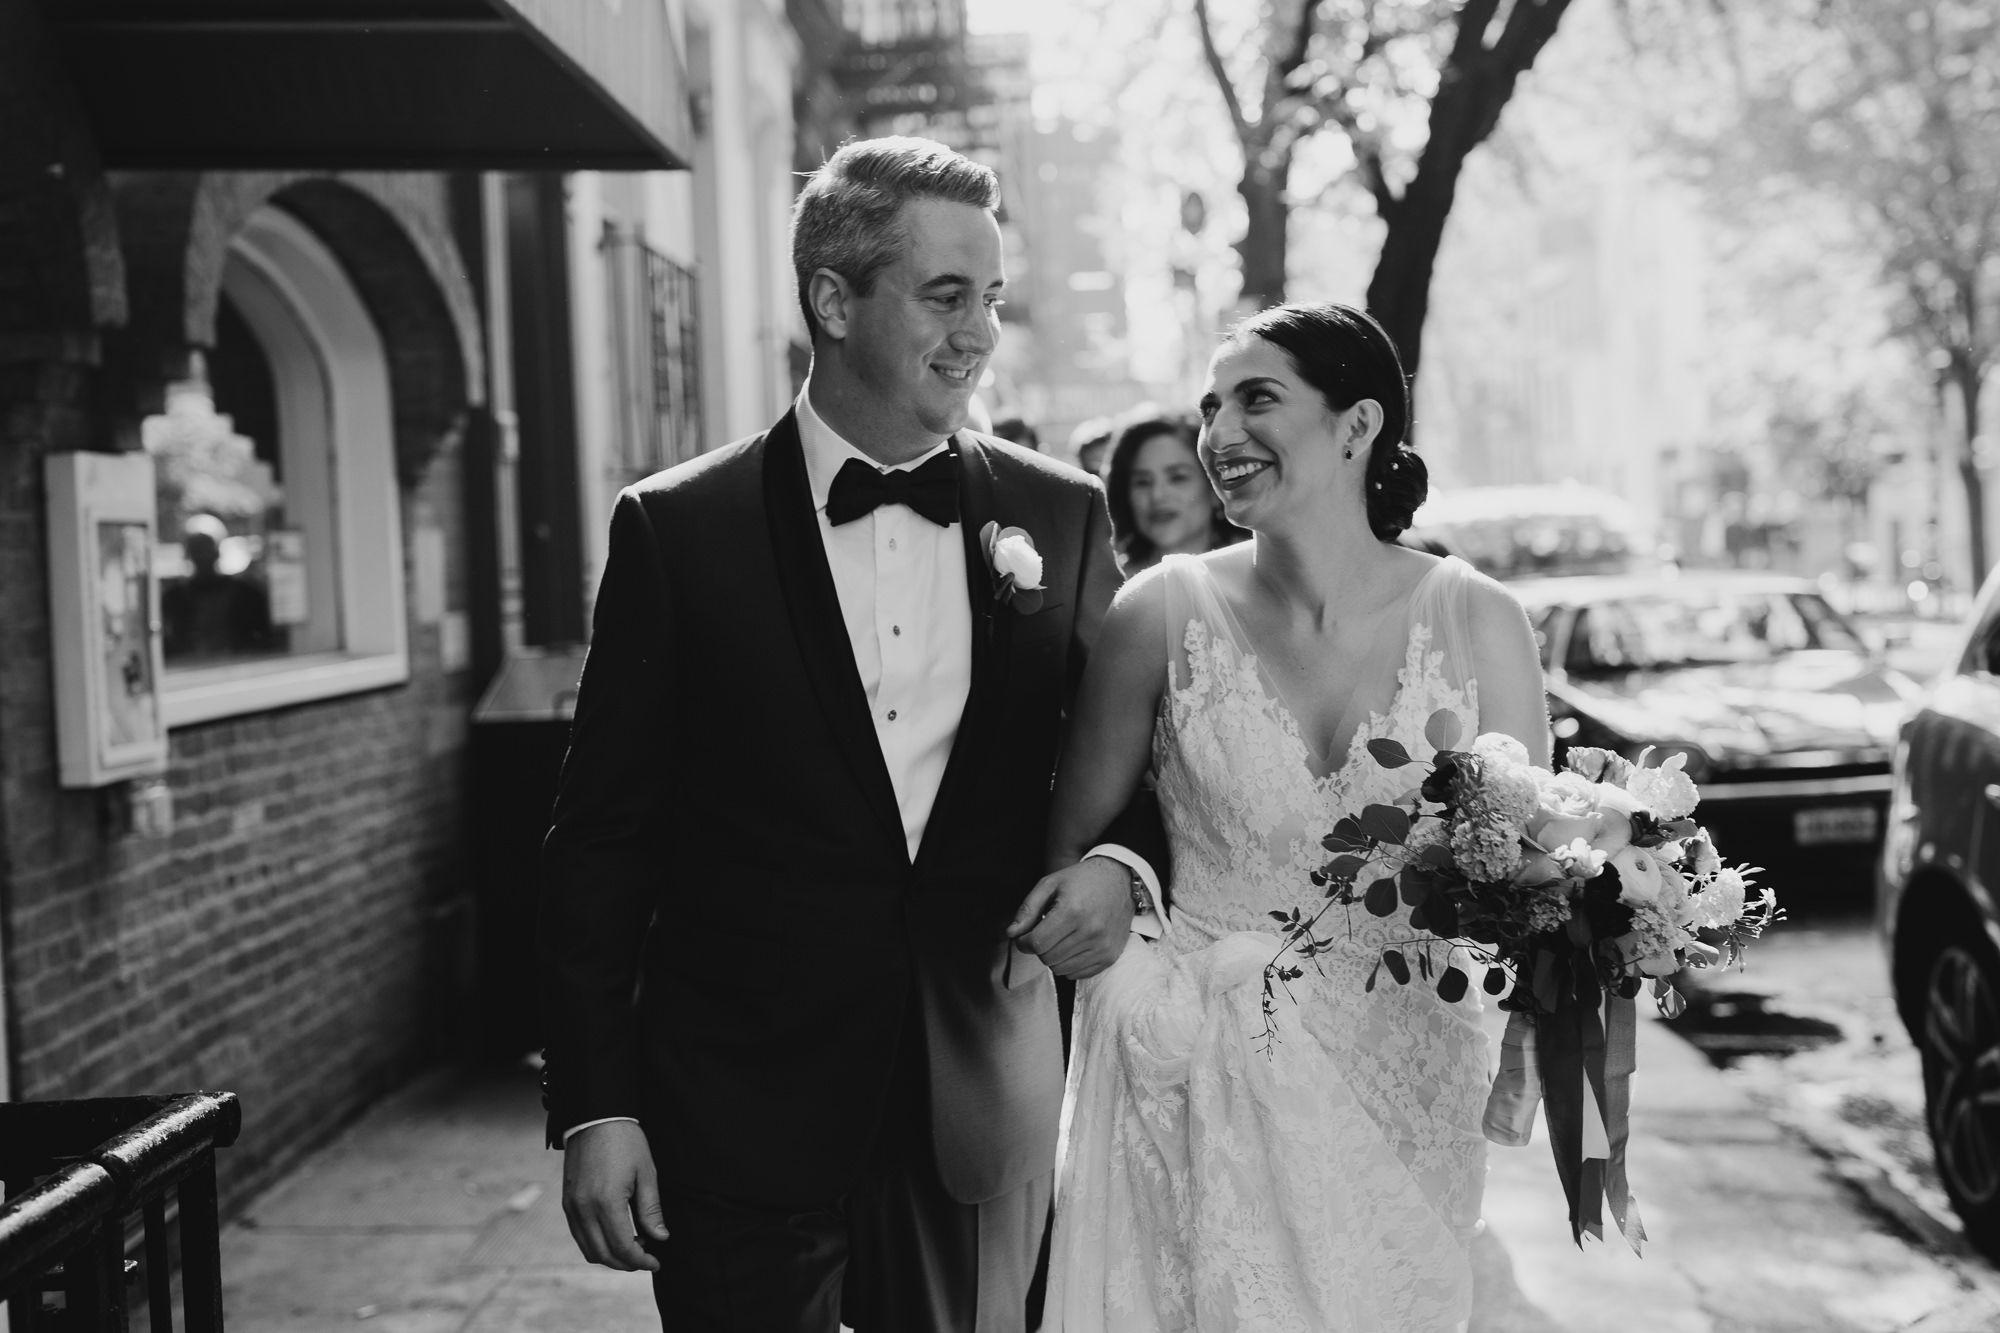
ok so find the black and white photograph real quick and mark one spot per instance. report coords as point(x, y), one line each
point(999, 666)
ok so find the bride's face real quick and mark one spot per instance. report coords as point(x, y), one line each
point(1270, 443)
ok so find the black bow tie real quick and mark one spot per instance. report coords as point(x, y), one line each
point(930, 488)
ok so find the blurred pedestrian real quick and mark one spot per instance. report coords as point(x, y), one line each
point(1088, 443)
point(210, 613)
point(1161, 502)
point(1015, 428)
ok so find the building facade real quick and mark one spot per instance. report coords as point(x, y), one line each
point(314, 390)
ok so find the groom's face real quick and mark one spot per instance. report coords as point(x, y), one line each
point(919, 342)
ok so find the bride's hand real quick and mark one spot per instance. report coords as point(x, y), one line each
point(1077, 919)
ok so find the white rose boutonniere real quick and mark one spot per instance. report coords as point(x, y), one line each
point(1016, 567)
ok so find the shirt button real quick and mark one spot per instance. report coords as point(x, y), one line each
point(892, 715)
point(896, 630)
point(892, 543)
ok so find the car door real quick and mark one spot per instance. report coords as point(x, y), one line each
point(1972, 699)
point(1947, 969)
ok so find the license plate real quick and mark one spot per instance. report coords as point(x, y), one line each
point(1835, 824)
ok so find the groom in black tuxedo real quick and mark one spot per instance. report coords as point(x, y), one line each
point(790, 1045)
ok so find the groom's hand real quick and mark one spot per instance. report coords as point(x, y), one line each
point(1077, 919)
point(609, 1186)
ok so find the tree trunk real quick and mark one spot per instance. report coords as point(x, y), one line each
point(1399, 292)
point(1266, 176)
point(1966, 377)
point(1463, 113)
point(1473, 89)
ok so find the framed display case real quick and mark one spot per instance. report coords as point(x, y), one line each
point(105, 613)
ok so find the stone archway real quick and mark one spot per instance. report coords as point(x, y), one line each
point(389, 231)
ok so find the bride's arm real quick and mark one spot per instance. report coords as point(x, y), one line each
point(1111, 738)
point(1104, 757)
point(1508, 667)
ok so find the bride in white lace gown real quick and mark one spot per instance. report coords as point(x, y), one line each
point(1329, 1179)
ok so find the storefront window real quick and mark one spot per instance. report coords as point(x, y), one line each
point(279, 552)
point(227, 564)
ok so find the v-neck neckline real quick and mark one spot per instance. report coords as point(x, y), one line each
point(1339, 757)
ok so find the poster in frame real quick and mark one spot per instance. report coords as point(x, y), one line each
point(105, 614)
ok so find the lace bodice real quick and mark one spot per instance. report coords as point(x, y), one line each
point(1245, 813)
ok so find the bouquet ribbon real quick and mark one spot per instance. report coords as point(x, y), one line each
point(1577, 1063)
point(1588, 1050)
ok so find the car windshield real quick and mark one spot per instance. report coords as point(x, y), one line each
point(1702, 627)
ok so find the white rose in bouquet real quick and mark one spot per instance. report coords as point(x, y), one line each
point(1667, 791)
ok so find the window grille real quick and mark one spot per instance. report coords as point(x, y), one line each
point(655, 356)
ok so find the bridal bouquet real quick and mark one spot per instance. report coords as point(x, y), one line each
point(1582, 888)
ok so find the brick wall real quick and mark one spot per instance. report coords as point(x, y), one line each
point(300, 937)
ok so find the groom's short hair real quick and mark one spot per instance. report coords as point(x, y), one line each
point(848, 216)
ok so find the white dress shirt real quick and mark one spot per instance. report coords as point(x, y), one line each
point(902, 586)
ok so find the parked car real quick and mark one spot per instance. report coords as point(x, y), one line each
point(1935, 902)
point(1514, 532)
point(1785, 715)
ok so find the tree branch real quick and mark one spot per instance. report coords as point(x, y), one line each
point(1473, 21)
point(1367, 155)
point(1298, 42)
point(1244, 129)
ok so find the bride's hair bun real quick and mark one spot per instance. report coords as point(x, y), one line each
point(1343, 353)
point(1398, 484)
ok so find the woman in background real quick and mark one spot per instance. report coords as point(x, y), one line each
point(1161, 502)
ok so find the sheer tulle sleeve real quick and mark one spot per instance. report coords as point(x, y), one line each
point(1441, 603)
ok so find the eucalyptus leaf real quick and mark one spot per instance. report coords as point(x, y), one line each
point(1345, 867)
point(1416, 886)
point(1399, 966)
point(1381, 897)
point(1389, 753)
point(1495, 982)
point(1443, 729)
point(1451, 986)
point(1386, 823)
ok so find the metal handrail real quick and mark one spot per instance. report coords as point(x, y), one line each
point(78, 1170)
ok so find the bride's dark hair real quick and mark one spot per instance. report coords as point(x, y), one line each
point(1344, 354)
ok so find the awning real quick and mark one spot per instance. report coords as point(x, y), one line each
point(419, 85)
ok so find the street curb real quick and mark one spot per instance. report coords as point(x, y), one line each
point(1880, 1183)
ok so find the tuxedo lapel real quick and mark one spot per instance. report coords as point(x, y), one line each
point(814, 605)
point(992, 632)
point(977, 506)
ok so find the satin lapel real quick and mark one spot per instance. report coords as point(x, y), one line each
point(815, 609)
point(992, 634)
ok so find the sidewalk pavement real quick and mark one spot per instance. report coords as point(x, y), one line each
point(439, 1213)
